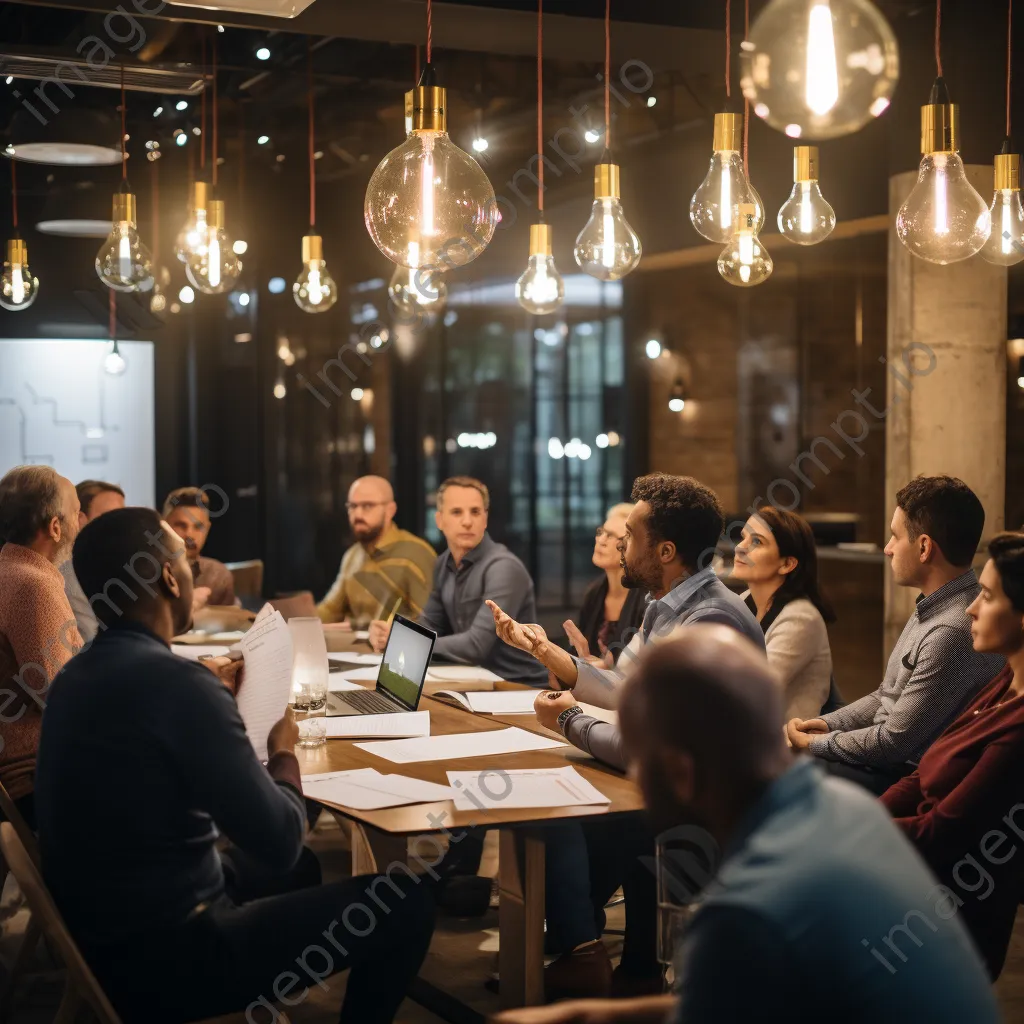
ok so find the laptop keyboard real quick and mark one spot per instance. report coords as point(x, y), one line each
point(368, 700)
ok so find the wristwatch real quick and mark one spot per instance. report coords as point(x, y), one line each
point(567, 715)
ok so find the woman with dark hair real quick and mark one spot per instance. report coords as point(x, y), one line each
point(962, 808)
point(778, 561)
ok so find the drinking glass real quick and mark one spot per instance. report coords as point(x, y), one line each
point(309, 679)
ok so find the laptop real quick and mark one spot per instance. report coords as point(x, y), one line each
point(403, 670)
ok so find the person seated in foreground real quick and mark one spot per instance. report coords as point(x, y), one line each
point(933, 671)
point(38, 634)
point(187, 510)
point(964, 801)
point(94, 498)
point(172, 935)
point(474, 568)
point(810, 896)
point(387, 569)
point(778, 561)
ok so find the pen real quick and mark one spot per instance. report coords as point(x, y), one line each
point(394, 611)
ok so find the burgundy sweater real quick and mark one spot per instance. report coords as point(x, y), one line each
point(953, 809)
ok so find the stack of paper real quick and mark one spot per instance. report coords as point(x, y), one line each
point(492, 702)
point(523, 787)
point(399, 725)
point(366, 789)
point(456, 745)
point(267, 685)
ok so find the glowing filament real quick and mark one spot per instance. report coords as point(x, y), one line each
point(806, 208)
point(941, 215)
point(213, 262)
point(314, 289)
point(822, 75)
point(17, 285)
point(608, 231)
point(124, 254)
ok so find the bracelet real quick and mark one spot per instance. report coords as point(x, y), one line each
point(567, 716)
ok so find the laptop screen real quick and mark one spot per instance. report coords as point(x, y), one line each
point(404, 665)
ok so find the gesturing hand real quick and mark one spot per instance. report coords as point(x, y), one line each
point(515, 634)
point(579, 642)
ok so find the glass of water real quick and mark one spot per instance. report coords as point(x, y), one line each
point(309, 679)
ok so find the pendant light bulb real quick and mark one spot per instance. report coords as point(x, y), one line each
point(540, 289)
point(123, 263)
point(714, 207)
point(819, 69)
point(215, 268)
point(1005, 245)
point(944, 219)
point(677, 396)
point(192, 236)
point(412, 290)
point(114, 364)
point(806, 217)
point(19, 286)
point(158, 296)
point(607, 248)
point(428, 203)
point(744, 261)
point(314, 290)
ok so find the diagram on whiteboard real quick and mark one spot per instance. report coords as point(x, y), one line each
point(58, 407)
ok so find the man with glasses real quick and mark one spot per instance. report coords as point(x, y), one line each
point(387, 570)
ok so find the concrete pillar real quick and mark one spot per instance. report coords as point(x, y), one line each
point(946, 399)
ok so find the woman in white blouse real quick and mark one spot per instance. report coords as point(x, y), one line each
point(778, 561)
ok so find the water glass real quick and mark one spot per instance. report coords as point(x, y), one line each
point(309, 679)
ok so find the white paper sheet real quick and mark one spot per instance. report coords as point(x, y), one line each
point(453, 697)
point(267, 684)
point(362, 659)
point(366, 789)
point(541, 787)
point(502, 702)
point(357, 675)
point(456, 745)
point(400, 725)
point(460, 674)
point(196, 651)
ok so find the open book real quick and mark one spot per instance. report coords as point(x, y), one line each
point(491, 702)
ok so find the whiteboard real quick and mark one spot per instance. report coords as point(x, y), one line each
point(59, 408)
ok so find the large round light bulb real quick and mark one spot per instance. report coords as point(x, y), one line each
point(114, 364)
point(428, 203)
point(944, 219)
point(1005, 245)
point(607, 248)
point(744, 261)
point(540, 289)
point(215, 268)
point(413, 290)
point(715, 205)
point(192, 236)
point(314, 290)
point(18, 287)
point(123, 262)
point(819, 69)
point(805, 217)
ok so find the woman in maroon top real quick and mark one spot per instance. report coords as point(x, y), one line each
point(964, 806)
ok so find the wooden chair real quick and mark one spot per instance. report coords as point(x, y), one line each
point(293, 606)
point(248, 577)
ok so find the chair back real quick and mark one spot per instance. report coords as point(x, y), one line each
point(834, 701)
point(296, 606)
point(45, 911)
point(9, 811)
point(248, 579)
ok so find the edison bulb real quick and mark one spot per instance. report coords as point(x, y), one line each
point(607, 248)
point(123, 262)
point(19, 286)
point(715, 205)
point(314, 290)
point(192, 237)
point(215, 267)
point(819, 69)
point(158, 296)
point(805, 217)
point(428, 203)
point(540, 289)
point(745, 262)
point(412, 290)
point(1005, 245)
point(114, 363)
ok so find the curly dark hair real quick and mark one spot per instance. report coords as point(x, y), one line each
point(947, 510)
point(684, 512)
point(1007, 552)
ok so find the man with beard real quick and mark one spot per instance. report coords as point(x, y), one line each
point(187, 512)
point(807, 895)
point(387, 566)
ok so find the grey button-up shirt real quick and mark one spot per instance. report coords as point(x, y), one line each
point(464, 624)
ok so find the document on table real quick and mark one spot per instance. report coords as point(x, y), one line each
point(366, 789)
point(267, 684)
point(491, 702)
point(401, 725)
point(196, 651)
point(523, 787)
point(456, 745)
point(460, 674)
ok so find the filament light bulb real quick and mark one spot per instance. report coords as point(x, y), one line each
point(123, 262)
point(114, 363)
point(1005, 245)
point(412, 290)
point(714, 207)
point(191, 239)
point(214, 268)
point(745, 262)
point(805, 217)
point(428, 200)
point(314, 290)
point(819, 69)
point(540, 289)
point(943, 220)
point(19, 286)
point(607, 248)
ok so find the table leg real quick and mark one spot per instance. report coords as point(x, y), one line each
point(372, 850)
point(521, 918)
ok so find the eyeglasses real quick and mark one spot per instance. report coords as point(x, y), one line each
point(602, 532)
point(363, 506)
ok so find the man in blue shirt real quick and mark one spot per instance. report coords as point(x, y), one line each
point(814, 898)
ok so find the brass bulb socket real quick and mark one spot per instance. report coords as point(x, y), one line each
point(1007, 171)
point(17, 251)
point(805, 163)
point(939, 123)
point(200, 195)
point(408, 110)
point(728, 132)
point(748, 216)
point(215, 214)
point(429, 108)
point(312, 248)
point(606, 181)
point(540, 239)
point(124, 207)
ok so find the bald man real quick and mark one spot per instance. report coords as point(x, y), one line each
point(808, 899)
point(385, 568)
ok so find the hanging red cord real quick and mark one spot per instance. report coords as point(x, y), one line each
point(938, 37)
point(124, 131)
point(746, 102)
point(728, 48)
point(14, 192)
point(1009, 57)
point(214, 46)
point(202, 108)
point(540, 106)
point(430, 28)
point(607, 72)
point(312, 158)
